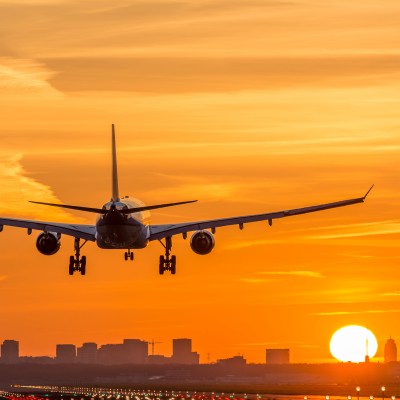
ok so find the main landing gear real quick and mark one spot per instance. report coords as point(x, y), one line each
point(128, 255)
point(167, 263)
point(76, 262)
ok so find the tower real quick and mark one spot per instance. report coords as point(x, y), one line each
point(390, 352)
point(10, 351)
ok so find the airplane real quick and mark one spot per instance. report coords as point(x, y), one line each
point(122, 223)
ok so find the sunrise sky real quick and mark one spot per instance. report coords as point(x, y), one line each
point(248, 106)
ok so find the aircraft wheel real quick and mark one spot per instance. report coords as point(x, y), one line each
point(71, 265)
point(126, 256)
point(161, 268)
point(131, 256)
point(173, 265)
point(83, 265)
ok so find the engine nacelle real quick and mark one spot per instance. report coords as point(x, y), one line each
point(202, 242)
point(48, 243)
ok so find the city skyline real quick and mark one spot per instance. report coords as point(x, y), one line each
point(145, 351)
point(248, 107)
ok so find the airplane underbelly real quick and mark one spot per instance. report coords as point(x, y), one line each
point(121, 236)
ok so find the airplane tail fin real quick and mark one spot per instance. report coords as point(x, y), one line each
point(115, 192)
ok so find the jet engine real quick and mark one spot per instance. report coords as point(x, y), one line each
point(48, 243)
point(202, 242)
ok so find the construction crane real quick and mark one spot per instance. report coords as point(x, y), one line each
point(153, 343)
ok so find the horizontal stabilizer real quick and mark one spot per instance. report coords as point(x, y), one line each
point(146, 208)
point(78, 208)
point(105, 211)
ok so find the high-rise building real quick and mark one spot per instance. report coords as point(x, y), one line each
point(111, 354)
point(277, 356)
point(390, 353)
point(65, 353)
point(10, 352)
point(135, 351)
point(87, 354)
point(182, 352)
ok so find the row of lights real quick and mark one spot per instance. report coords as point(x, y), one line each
point(383, 389)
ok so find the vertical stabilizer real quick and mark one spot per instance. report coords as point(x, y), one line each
point(115, 193)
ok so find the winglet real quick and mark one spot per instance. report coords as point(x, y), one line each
point(115, 193)
point(368, 192)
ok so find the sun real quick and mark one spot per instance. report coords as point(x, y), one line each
point(353, 343)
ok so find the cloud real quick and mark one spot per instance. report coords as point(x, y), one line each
point(334, 313)
point(23, 74)
point(3, 278)
point(17, 189)
point(253, 280)
point(202, 74)
point(360, 230)
point(306, 274)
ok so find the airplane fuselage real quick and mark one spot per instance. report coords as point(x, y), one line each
point(115, 230)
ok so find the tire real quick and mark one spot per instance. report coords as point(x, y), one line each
point(126, 256)
point(161, 265)
point(71, 265)
point(131, 257)
point(173, 265)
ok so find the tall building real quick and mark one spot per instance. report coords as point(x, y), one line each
point(277, 356)
point(182, 352)
point(65, 353)
point(136, 351)
point(87, 354)
point(10, 352)
point(390, 353)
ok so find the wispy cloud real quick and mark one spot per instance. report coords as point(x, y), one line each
point(333, 313)
point(253, 280)
point(17, 189)
point(307, 274)
point(249, 243)
point(22, 73)
point(395, 294)
point(359, 230)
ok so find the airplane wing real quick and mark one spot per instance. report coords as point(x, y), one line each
point(86, 232)
point(158, 232)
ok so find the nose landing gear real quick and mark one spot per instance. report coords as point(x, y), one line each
point(128, 255)
point(167, 262)
point(76, 262)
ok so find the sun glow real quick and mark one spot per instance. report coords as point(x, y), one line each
point(353, 343)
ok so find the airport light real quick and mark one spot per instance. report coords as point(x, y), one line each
point(383, 392)
point(348, 397)
point(327, 397)
point(371, 397)
point(393, 397)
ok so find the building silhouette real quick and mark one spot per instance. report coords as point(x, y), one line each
point(390, 352)
point(87, 353)
point(277, 356)
point(65, 353)
point(135, 351)
point(10, 352)
point(233, 362)
point(182, 352)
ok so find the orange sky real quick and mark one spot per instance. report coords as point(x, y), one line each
point(248, 106)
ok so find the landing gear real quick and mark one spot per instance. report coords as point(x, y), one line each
point(76, 262)
point(167, 262)
point(128, 255)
